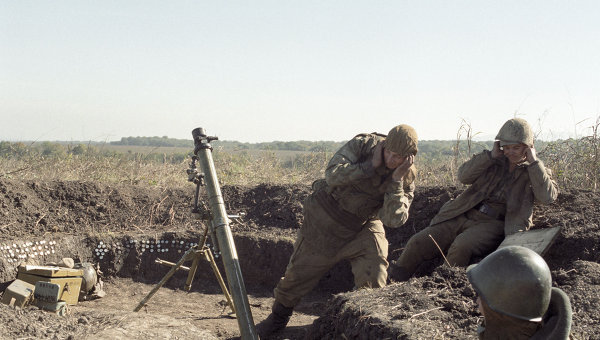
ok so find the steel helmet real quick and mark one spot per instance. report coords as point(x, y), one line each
point(515, 131)
point(89, 278)
point(403, 140)
point(513, 281)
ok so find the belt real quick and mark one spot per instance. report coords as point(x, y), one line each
point(488, 210)
point(334, 210)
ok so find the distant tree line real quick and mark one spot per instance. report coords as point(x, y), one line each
point(165, 141)
point(154, 141)
point(431, 147)
point(302, 145)
point(428, 149)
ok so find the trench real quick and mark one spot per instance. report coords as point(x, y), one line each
point(112, 227)
point(133, 256)
point(129, 260)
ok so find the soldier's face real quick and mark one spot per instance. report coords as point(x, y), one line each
point(515, 152)
point(392, 159)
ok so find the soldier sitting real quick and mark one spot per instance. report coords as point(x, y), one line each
point(499, 201)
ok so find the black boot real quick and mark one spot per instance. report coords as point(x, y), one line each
point(276, 321)
point(398, 273)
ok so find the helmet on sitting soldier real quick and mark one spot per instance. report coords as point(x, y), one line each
point(515, 131)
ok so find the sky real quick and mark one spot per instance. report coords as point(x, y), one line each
point(260, 71)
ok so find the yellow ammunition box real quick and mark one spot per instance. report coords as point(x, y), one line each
point(68, 279)
point(18, 294)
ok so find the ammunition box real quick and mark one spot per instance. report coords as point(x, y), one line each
point(46, 291)
point(59, 308)
point(18, 294)
point(68, 279)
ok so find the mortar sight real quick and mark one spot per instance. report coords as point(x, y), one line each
point(198, 133)
point(201, 140)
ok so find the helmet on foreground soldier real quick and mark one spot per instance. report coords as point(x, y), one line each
point(513, 281)
point(515, 131)
point(403, 140)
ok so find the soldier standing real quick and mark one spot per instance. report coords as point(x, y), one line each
point(369, 182)
point(499, 201)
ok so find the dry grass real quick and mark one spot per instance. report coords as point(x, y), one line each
point(574, 164)
point(232, 169)
point(105, 170)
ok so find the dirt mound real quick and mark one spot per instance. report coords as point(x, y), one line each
point(437, 303)
point(267, 205)
point(440, 306)
point(32, 209)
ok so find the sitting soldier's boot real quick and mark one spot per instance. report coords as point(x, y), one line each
point(398, 273)
point(276, 321)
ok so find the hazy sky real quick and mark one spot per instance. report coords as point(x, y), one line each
point(289, 70)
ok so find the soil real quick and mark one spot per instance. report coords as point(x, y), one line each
point(125, 228)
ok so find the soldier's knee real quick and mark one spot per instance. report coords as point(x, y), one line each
point(376, 279)
point(414, 243)
point(372, 274)
point(459, 255)
point(417, 248)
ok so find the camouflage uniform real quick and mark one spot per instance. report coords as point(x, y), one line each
point(461, 229)
point(344, 218)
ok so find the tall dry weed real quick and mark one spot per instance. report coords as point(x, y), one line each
point(574, 163)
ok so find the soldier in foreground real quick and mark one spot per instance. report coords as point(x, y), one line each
point(516, 297)
point(369, 182)
point(499, 201)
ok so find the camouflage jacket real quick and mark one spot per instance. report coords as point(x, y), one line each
point(528, 181)
point(367, 192)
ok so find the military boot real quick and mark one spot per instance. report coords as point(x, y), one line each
point(276, 321)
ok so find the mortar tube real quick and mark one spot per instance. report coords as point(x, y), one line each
point(220, 223)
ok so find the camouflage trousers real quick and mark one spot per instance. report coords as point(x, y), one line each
point(470, 234)
point(322, 242)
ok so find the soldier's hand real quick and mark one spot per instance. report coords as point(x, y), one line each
point(402, 169)
point(496, 152)
point(377, 155)
point(530, 154)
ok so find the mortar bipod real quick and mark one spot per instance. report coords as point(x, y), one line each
point(194, 254)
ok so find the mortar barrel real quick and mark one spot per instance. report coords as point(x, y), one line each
point(220, 223)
